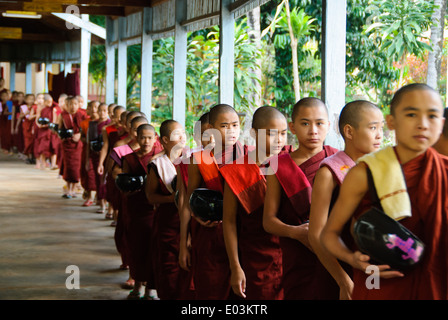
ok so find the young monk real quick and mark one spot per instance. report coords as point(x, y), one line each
point(210, 265)
point(6, 124)
point(287, 202)
point(139, 214)
point(170, 278)
point(47, 140)
point(420, 173)
point(33, 115)
point(18, 141)
point(72, 147)
point(255, 256)
point(361, 127)
point(27, 126)
point(88, 175)
point(442, 144)
point(94, 134)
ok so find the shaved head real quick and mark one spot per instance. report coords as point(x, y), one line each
point(408, 88)
point(263, 115)
point(217, 110)
point(306, 103)
point(351, 114)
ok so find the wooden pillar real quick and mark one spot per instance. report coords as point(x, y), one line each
point(122, 63)
point(12, 76)
point(226, 53)
point(333, 64)
point(146, 72)
point(85, 58)
point(48, 68)
point(180, 64)
point(110, 61)
point(28, 78)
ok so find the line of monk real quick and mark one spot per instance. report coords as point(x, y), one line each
point(286, 230)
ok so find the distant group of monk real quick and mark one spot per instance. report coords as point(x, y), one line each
point(288, 213)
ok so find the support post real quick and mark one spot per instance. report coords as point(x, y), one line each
point(85, 58)
point(110, 61)
point(334, 22)
point(180, 64)
point(12, 76)
point(226, 53)
point(48, 68)
point(146, 72)
point(122, 63)
point(28, 78)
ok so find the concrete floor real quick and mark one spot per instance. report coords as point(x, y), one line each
point(41, 234)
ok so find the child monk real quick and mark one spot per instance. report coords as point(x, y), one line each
point(88, 176)
point(71, 118)
point(6, 121)
point(255, 256)
point(210, 265)
point(160, 193)
point(33, 115)
point(27, 126)
point(361, 127)
point(47, 140)
point(287, 202)
point(94, 134)
point(442, 144)
point(412, 166)
point(139, 214)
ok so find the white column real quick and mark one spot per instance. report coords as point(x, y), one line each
point(122, 64)
point(28, 78)
point(12, 76)
point(146, 72)
point(333, 64)
point(110, 61)
point(226, 53)
point(180, 64)
point(85, 58)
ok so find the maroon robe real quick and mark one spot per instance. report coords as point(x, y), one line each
point(138, 219)
point(304, 277)
point(47, 141)
point(95, 158)
point(71, 150)
point(259, 252)
point(427, 184)
point(210, 264)
point(88, 178)
point(171, 280)
point(28, 134)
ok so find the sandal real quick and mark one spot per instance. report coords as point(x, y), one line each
point(100, 210)
point(129, 284)
point(109, 216)
point(133, 295)
point(66, 196)
point(88, 203)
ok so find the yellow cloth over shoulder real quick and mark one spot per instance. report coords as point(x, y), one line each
point(389, 182)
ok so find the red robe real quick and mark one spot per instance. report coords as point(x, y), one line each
point(171, 280)
point(259, 251)
point(88, 180)
point(95, 158)
point(427, 184)
point(28, 133)
point(210, 264)
point(47, 141)
point(5, 129)
point(302, 271)
point(138, 219)
point(71, 150)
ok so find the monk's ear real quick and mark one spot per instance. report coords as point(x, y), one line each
point(291, 127)
point(348, 131)
point(165, 140)
point(390, 121)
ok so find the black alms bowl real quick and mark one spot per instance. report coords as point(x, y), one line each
point(43, 121)
point(127, 182)
point(207, 204)
point(387, 241)
point(65, 133)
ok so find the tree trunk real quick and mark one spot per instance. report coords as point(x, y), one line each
point(295, 63)
point(435, 56)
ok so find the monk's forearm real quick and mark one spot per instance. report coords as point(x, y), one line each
point(332, 242)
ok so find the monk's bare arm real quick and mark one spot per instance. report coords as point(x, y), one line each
point(184, 218)
point(271, 223)
point(323, 187)
point(103, 152)
point(237, 279)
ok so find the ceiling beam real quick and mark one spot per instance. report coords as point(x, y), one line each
point(83, 24)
